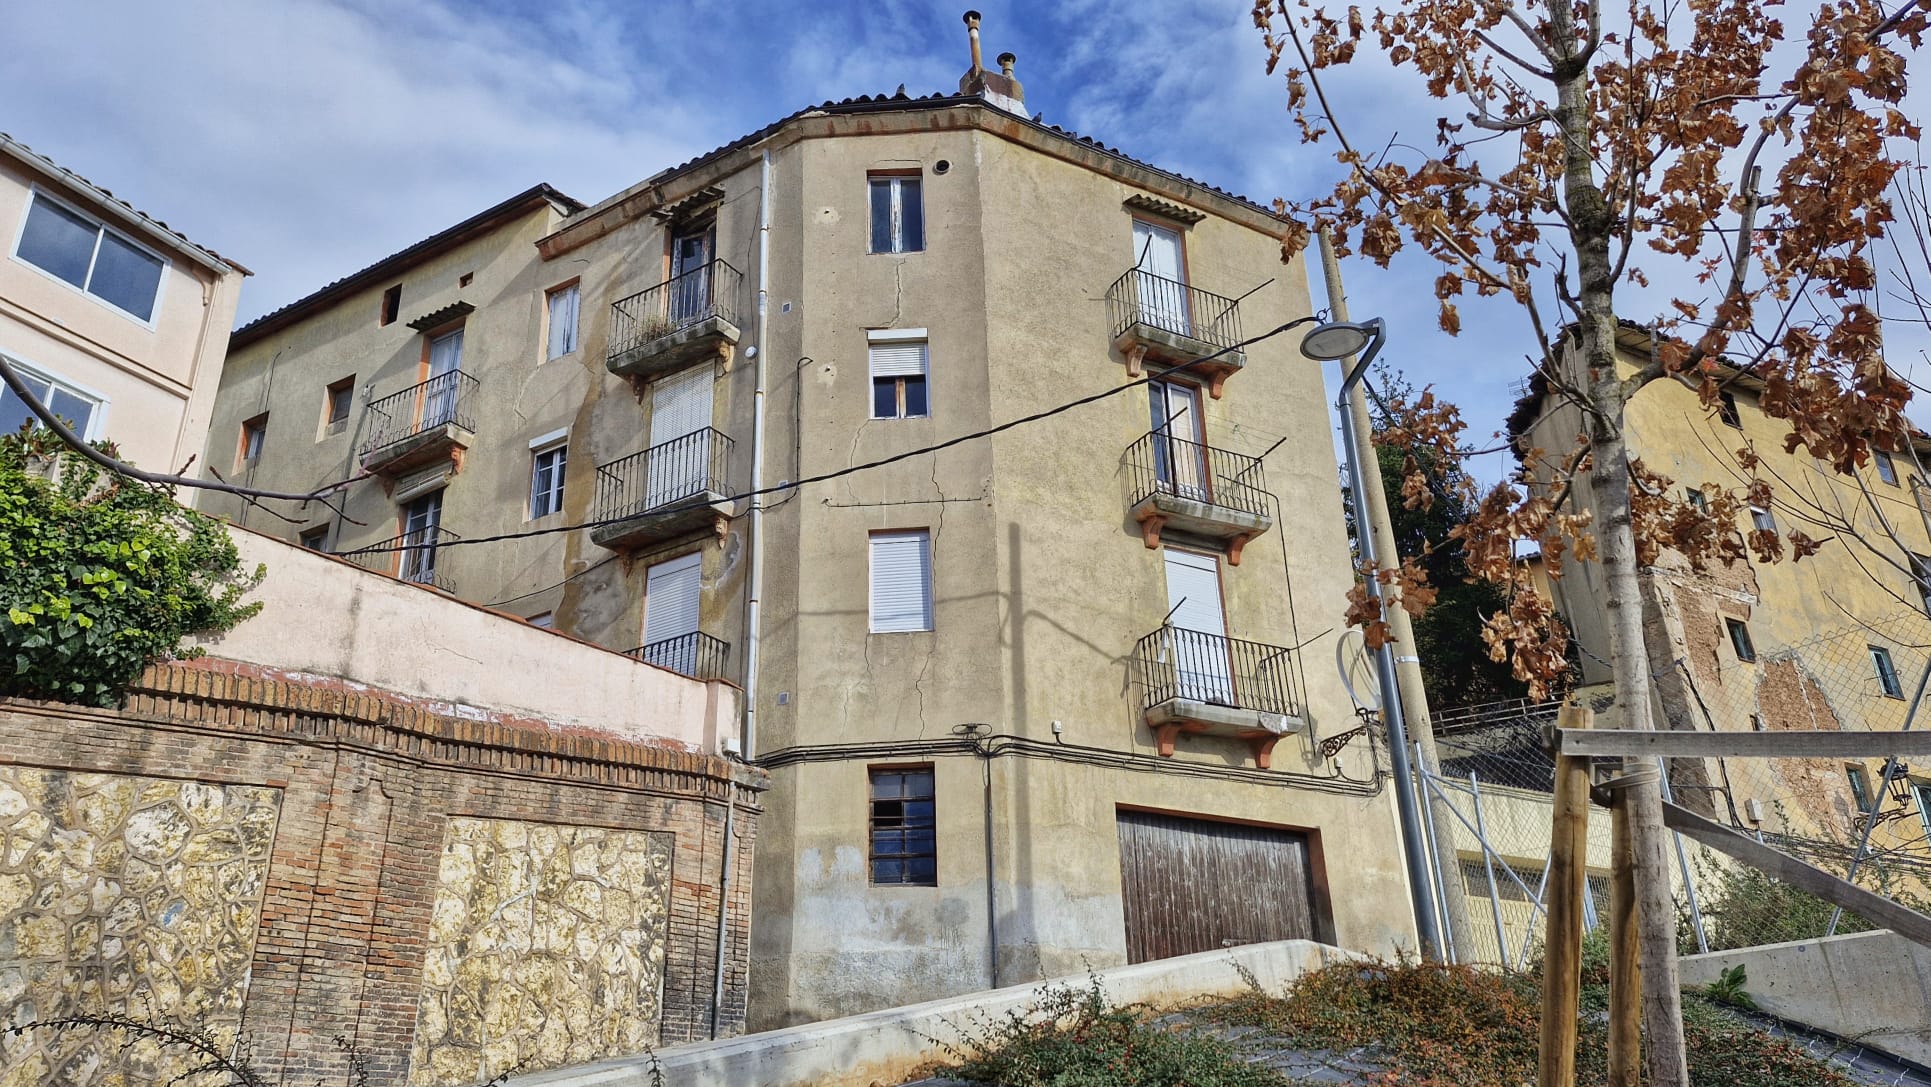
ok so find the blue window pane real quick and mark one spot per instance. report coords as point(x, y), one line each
point(920, 841)
point(922, 870)
point(915, 398)
point(884, 398)
point(57, 241)
point(13, 412)
point(126, 277)
point(911, 213)
point(888, 870)
point(881, 216)
point(77, 411)
point(918, 813)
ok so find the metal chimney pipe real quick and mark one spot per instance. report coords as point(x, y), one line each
point(1006, 61)
point(972, 32)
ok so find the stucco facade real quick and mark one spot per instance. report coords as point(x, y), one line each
point(129, 352)
point(1026, 694)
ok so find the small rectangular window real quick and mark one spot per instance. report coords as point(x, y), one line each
point(465, 280)
point(336, 402)
point(546, 480)
point(253, 433)
point(1762, 520)
point(391, 305)
point(904, 828)
point(562, 305)
point(901, 581)
point(77, 250)
point(77, 409)
point(898, 215)
point(1740, 640)
point(1697, 500)
point(1920, 575)
point(898, 370)
point(544, 619)
point(316, 539)
point(1886, 467)
point(1922, 791)
point(1887, 680)
point(1726, 410)
point(1860, 783)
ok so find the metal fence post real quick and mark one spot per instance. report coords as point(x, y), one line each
point(1488, 863)
point(1683, 863)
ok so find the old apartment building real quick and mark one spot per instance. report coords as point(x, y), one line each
point(1050, 696)
point(1835, 641)
point(117, 322)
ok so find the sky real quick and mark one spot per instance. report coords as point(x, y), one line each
point(309, 138)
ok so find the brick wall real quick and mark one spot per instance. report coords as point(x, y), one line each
point(368, 783)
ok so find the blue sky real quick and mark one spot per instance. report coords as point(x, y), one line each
point(307, 138)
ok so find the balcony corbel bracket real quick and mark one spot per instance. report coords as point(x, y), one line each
point(638, 386)
point(1136, 356)
point(1216, 378)
point(721, 525)
point(726, 351)
point(1263, 745)
point(1234, 546)
point(1165, 735)
point(1151, 522)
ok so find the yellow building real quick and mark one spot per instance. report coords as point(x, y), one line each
point(117, 322)
point(1046, 698)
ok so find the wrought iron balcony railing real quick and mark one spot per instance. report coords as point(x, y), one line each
point(410, 556)
point(709, 290)
point(1216, 670)
point(445, 398)
point(1161, 463)
point(698, 656)
point(1140, 297)
point(681, 468)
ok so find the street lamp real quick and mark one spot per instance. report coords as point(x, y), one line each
point(1338, 340)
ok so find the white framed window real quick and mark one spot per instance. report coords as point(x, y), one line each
point(79, 407)
point(1886, 670)
point(82, 252)
point(1746, 649)
point(562, 304)
point(900, 359)
point(901, 581)
point(897, 213)
point(549, 456)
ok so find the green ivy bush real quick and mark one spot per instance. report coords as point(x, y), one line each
point(101, 575)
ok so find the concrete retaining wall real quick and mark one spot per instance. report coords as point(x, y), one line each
point(885, 1046)
point(1872, 987)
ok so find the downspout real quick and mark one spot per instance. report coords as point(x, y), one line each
point(756, 530)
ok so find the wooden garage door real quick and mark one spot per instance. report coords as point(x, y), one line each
point(1193, 885)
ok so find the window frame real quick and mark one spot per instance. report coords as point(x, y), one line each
point(36, 193)
point(1886, 668)
point(302, 539)
point(1886, 467)
point(390, 308)
point(1921, 792)
point(1859, 780)
point(26, 368)
point(331, 426)
point(253, 441)
point(1741, 643)
point(1697, 499)
point(900, 383)
point(556, 442)
point(902, 826)
point(1921, 578)
point(924, 536)
point(574, 286)
point(893, 182)
point(1762, 519)
point(1727, 411)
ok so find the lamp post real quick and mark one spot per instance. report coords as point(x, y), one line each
point(1338, 340)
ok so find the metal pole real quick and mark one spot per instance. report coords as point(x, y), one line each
point(1883, 790)
point(1409, 811)
point(1541, 909)
point(1488, 862)
point(1451, 952)
point(1683, 863)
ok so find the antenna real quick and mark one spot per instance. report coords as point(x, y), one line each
point(1351, 659)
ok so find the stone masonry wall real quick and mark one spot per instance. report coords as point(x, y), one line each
point(282, 863)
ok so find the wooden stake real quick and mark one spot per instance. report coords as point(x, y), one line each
point(1625, 959)
point(1562, 947)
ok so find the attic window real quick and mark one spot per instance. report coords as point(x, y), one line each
point(391, 305)
point(1726, 410)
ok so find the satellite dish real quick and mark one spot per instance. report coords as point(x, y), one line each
point(1351, 657)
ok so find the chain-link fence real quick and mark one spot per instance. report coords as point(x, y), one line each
point(1869, 820)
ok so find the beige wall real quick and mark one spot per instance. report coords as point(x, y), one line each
point(158, 377)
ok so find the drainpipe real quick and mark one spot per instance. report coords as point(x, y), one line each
point(756, 533)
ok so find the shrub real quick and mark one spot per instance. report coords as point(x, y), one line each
point(101, 575)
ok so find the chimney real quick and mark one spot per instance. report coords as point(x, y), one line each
point(999, 88)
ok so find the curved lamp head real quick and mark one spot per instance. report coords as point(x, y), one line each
point(1339, 339)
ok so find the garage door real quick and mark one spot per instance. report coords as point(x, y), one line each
point(1194, 885)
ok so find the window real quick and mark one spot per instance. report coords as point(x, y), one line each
point(79, 409)
point(898, 214)
point(546, 480)
point(1697, 501)
point(905, 847)
point(563, 321)
point(1761, 519)
point(1886, 672)
point(1922, 791)
point(315, 539)
point(465, 279)
point(80, 251)
point(1860, 783)
point(1726, 410)
point(1756, 722)
point(901, 581)
point(899, 360)
point(421, 531)
point(1921, 576)
point(391, 305)
point(545, 619)
point(336, 401)
point(253, 433)
point(1740, 640)
point(1886, 467)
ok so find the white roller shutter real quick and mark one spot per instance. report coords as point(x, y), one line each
point(680, 404)
point(899, 359)
point(672, 591)
point(901, 581)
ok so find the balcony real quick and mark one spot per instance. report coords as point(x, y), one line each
point(1195, 489)
point(666, 491)
point(698, 656)
point(420, 425)
point(1168, 323)
point(676, 323)
point(1207, 684)
point(408, 557)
